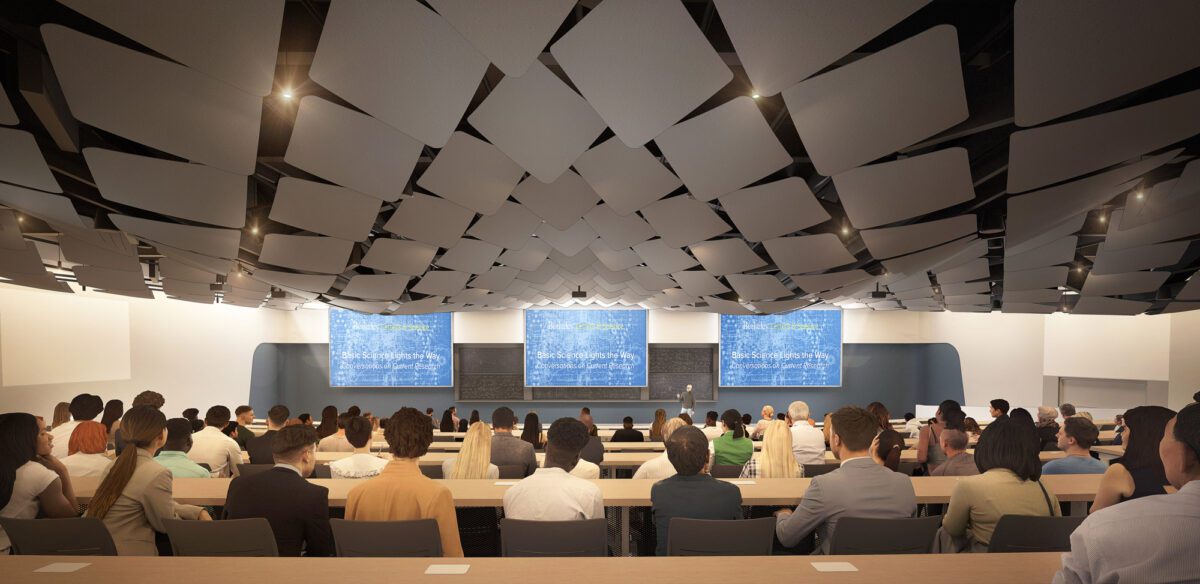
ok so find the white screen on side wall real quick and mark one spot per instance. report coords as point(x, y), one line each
point(62, 338)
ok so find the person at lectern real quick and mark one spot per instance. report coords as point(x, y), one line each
point(687, 401)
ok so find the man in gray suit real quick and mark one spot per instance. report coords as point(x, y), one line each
point(508, 450)
point(860, 488)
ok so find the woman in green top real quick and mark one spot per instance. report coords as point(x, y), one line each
point(732, 446)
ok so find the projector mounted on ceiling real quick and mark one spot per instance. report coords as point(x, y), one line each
point(578, 293)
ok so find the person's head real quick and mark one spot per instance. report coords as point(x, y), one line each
point(585, 411)
point(179, 435)
point(474, 417)
point(660, 416)
point(627, 422)
point(277, 416)
point(191, 414)
point(746, 419)
point(586, 418)
point(768, 412)
point(881, 412)
point(687, 419)
point(408, 433)
point(687, 450)
point(731, 421)
point(1146, 425)
point(688, 387)
point(245, 415)
point(797, 412)
point(113, 410)
point(152, 399)
point(329, 414)
point(1046, 415)
point(296, 446)
point(1067, 410)
point(672, 425)
point(354, 411)
point(1005, 444)
point(358, 431)
point(1077, 433)
point(710, 418)
point(950, 413)
point(447, 424)
point(953, 442)
point(999, 407)
point(1022, 415)
point(1180, 447)
point(476, 453)
point(343, 419)
point(62, 414)
point(503, 419)
point(142, 428)
point(88, 438)
point(777, 460)
point(22, 439)
point(454, 410)
point(305, 418)
point(1119, 419)
point(888, 448)
point(217, 417)
point(971, 426)
point(908, 416)
point(86, 406)
point(852, 430)
point(531, 430)
point(1087, 415)
point(564, 440)
point(429, 412)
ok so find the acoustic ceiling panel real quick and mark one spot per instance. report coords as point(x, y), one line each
point(102, 249)
point(210, 241)
point(642, 65)
point(1051, 277)
point(774, 209)
point(1121, 284)
point(364, 307)
point(905, 188)
point(211, 264)
point(880, 103)
point(538, 121)
point(626, 178)
point(893, 241)
point(617, 231)
point(751, 287)
point(829, 281)
point(510, 227)
point(411, 258)
point(1190, 291)
point(1179, 225)
point(497, 278)
point(470, 256)
point(155, 102)
point(650, 281)
point(8, 116)
point(1060, 251)
point(1022, 296)
point(1027, 308)
point(809, 253)
point(1112, 306)
point(699, 283)
point(968, 299)
point(22, 163)
point(614, 259)
point(570, 241)
point(422, 306)
point(189, 191)
point(683, 220)
point(431, 220)
point(399, 62)
point(663, 258)
point(723, 149)
point(376, 286)
point(510, 34)
point(560, 203)
point(302, 282)
point(528, 258)
point(973, 270)
point(472, 173)
point(326, 255)
point(727, 256)
point(172, 269)
point(325, 209)
point(1137, 258)
point(722, 306)
point(945, 255)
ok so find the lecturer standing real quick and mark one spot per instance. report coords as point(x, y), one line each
point(687, 401)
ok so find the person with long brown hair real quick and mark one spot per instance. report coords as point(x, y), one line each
point(111, 418)
point(880, 411)
point(660, 418)
point(328, 426)
point(1139, 473)
point(62, 414)
point(135, 497)
point(31, 479)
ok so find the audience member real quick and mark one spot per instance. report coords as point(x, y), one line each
point(710, 429)
point(111, 418)
point(32, 481)
point(1067, 410)
point(1076, 437)
point(454, 415)
point(508, 450)
point(627, 433)
point(85, 451)
point(746, 421)
point(474, 460)
point(912, 425)
point(305, 419)
point(689, 492)
point(959, 462)
point(929, 449)
point(209, 446)
point(173, 455)
point(433, 421)
point(998, 408)
point(531, 431)
point(551, 493)
point(776, 460)
point(808, 443)
point(1118, 430)
point(1022, 415)
point(768, 416)
point(449, 422)
point(687, 418)
point(151, 399)
point(1086, 415)
point(84, 407)
point(245, 416)
point(135, 496)
point(474, 418)
point(1152, 539)
point(881, 411)
point(362, 463)
point(660, 467)
point(660, 418)
point(337, 442)
point(1139, 472)
point(972, 428)
point(859, 488)
point(1047, 428)
point(1009, 485)
point(354, 410)
point(259, 447)
point(886, 449)
point(825, 427)
point(62, 414)
point(733, 446)
point(593, 451)
point(192, 415)
point(328, 424)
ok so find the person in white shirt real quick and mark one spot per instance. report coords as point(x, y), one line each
point(474, 460)
point(659, 468)
point(86, 456)
point(586, 470)
point(31, 479)
point(84, 407)
point(363, 463)
point(212, 447)
point(551, 493)
point(337, 441)
point(912, 425)
point(711, 430)
point(808, 443)
point(768, 416)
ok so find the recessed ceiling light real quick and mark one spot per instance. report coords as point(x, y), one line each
point(1102, 218)
point(1140, 195)
point(755, 96)
point(254, 230)
point(286, 95)
point(1070, 293)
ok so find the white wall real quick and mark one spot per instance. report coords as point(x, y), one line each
point(1000, 354)
point(1185, 358)
point(1108, 347)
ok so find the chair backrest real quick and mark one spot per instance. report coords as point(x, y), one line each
point(546, 539)
point(725, 471)
point(322, 471)
point(77, 536)
point(253, 469)
point(442, 438)
point(860, 535)
point(1021, 533)
point(247, 538)
point(204, 465)
point(512, 471)
point(812, 470)
point(707, 537)
point(433, 472)
point(387, 539)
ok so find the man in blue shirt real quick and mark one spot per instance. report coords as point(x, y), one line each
point(1076, 437)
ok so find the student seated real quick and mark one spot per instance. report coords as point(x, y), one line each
point(886, 449)
point(998, 408)
point(363, 463)
point(531, 431)
point(508, 450)
point(210, 446)
point(474, 459)
point(808, 443)
point(593, 451)
point(660, 467)
point(776, 460)
point(660, 418)
point(733, 447)
point(244, 417)
point(959, 462)
point(768, 416)
point(912, 426)
point(337, 442)
point(711, 430)
point(85, 453)
point(1152, 539)
point(297, 510)
point(173, 455)
point(401, 492)
point(259, 448)
point(627, 433)
point(551, 493)
point(1076, 437)
point(1139, 472)
point(949, 415)
point(135, 496)
point(690, 493)
point(84, 407)
point(32, 481)
point(859, 488)
point(1047, 428)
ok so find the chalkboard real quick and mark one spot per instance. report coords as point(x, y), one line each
point(672, 368)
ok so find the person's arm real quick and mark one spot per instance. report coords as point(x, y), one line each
point(54, 504)
point(791, 527)
point(958, 511)
point(1076, 567)
point(234, 454)
point(734, 503)
point(923, 445)
point(158, 504)
point(530, 463)
point(1115, 483)
point(597, 505)
point(447, 520)
point(318, 536)
point(66, 491)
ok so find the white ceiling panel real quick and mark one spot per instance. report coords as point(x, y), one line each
point(1113, 306)
point(880, 103)
point(221, 243)
point(326, 255)
point(774, 209)
point(1190, 291)
point(949, 254)
point(510, 227)
point(893, 241)
point(472, 173)
point(8, 116)
point(510, 34)
point(155, 102)
point(358, 306)
point(422, 306)
point(699, 283)
point(44, 206)
point(411, 258)
point(576, 263)
point(23, 262)
point(662, 258)
point(351, 149)
point(497, 278)
point(184, 288)
point(1180, 307)
point(111, 280)
point(727, 256)
point(103, 249)
point(965, 288)
point(470, 256)
point(642, 65)
point(723, 149)
point(22, 163)
point(1027, 308)
point(648, 280)
point(1180, 225)
point(1137, 258)
point(199, 261)
point(615, 277)
point(829, 281)
point(541, 275)
point(172, 269)
point(884, 193)
point(561, 203)
point(1021, 296)
point(974, 299)
point(809, 253)
point(683, 220)
point(569, 242)
point(968, 308)
point(922, 294)
point(325, 209)
point(1060, 251)
point(613, 259)
point(377, 55)
point(189, 191)
point(528, 258)
point(722, 306)
point(442, 283)
point(552, 284)
point(1034, 279)
point(376, 286)
point(538, 121)
point(1049, 154)
point(1120, 284)
point(626, 178)
point(617, 231)
point(913, 282)
point(972, 270)
point(751, 287)
point(1163, 200)
point(431, 220)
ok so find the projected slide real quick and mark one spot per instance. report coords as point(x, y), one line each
point(585, 348)
point(799, 349)
point(368, 350)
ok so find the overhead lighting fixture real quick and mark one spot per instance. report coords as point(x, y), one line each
point(1140, 195)
point(755, 96)
point(1102, 218)
point(286, 95)
point(845, 230)
point(254, 229)
point(1070, 293)
point(1078, 268)
point(20, 219)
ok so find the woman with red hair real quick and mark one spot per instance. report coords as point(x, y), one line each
point(85, 450)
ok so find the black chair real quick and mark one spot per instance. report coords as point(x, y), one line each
point(253, 469)
point(1021, 533)
point(441, 438)
point(512, 471)
point(204, 465)
point(246, 538)
point(812, 470)
point(706, 537)
point(387, 539)
point(322, 471)
point(862, 536)
point(725, 471)
point(907, 468)
point(554, 539)
point(433, 472)
point(76, 536)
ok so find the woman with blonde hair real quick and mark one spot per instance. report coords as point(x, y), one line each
point(768, 416)
point(776, 460)
point(135, 496)
point(85, 450)
point(660, 418)
point(62, 414)
point(474, 460)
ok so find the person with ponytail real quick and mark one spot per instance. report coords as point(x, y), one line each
point(733, 446)
point(31, 479)
point(887, 447)
point(135, 496)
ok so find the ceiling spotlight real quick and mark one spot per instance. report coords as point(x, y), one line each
point(1140, 195)
point(1078, 268)
point(254, 230)
point(755, 96)
point(286, 95)
point(845, 230)
point(1102, 218)
point(20, 219)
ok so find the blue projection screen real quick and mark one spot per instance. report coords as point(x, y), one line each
point(369, 350)
point(799, 349)
point(585, 348)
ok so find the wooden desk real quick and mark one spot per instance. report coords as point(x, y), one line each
point(931, 568)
